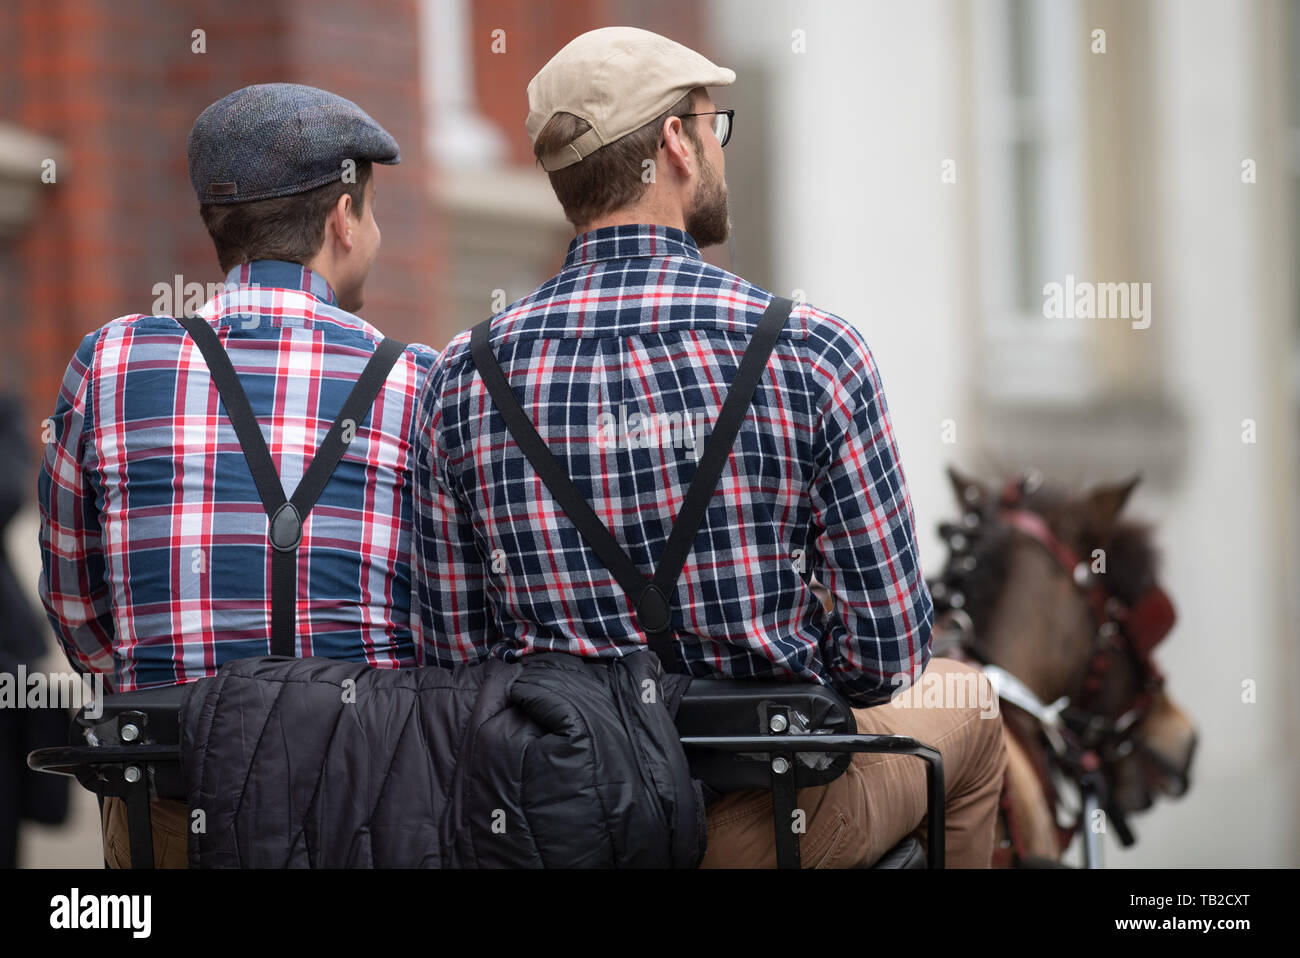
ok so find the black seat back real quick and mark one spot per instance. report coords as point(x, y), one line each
point(736, 707)
point(146, 717)
point(710, 707)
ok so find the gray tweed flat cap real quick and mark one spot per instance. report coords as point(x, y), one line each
point(277, 139)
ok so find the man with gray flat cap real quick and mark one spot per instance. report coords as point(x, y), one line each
point(605, 384)
point(237, 482)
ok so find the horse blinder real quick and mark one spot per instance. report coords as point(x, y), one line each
point(1148, 621)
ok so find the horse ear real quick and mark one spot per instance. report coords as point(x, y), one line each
point(969, 492)
point(1105, 502)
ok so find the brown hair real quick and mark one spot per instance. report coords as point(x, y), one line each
point(291, 228)
point(611, 177)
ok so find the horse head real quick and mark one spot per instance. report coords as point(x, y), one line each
point(1062, 593)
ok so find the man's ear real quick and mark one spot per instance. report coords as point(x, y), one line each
point(677, 146)
point(340, 221)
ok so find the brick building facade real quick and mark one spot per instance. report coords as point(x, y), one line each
point(109, 89)
point(116, 85)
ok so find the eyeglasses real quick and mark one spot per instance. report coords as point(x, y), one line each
point(722, 124)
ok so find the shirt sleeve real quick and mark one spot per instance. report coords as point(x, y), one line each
point(449, 568)
point(877, 640)
point(74, 584)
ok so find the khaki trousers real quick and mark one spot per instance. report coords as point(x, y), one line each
point(880, 799)
point(169, 838)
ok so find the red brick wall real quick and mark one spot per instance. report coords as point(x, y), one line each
point(116, 84)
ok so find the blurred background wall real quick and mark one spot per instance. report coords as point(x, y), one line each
point(921, 168)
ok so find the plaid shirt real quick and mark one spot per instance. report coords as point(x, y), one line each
point(156, 565)
point(622, 361)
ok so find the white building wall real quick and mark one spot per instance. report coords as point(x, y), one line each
point(1223, 295)
point(864, 225)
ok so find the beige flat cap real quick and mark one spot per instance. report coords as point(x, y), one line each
point(617, 79)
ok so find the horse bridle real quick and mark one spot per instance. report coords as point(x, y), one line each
point(1095, 740)
point(1130, 630)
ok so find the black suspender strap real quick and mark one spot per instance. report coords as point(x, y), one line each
point(139, 822)
point(651, 598)
point(287, 514)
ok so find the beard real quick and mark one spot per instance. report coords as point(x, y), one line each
point(709, 221)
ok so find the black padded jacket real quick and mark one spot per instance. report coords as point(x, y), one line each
point(553, 762)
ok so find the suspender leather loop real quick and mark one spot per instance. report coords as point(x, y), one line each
point(653, 611)
point(652, 599)
point(287, 514)
point(286, 528)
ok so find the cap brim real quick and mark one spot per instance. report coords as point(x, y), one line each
point(589, 142)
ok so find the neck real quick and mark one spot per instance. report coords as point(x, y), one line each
point(324, 267)
point(637, 215)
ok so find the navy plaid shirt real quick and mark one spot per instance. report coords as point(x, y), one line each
point(622, 361)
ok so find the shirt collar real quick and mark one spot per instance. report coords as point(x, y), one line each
point(277, 274)
point(630, 242)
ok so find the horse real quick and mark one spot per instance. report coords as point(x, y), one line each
point(1056, 598)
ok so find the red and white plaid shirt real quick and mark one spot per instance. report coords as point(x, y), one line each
point(153, 538)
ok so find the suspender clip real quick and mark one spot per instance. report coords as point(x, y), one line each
point(286, 528)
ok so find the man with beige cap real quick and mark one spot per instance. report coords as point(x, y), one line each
point(619, 362)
